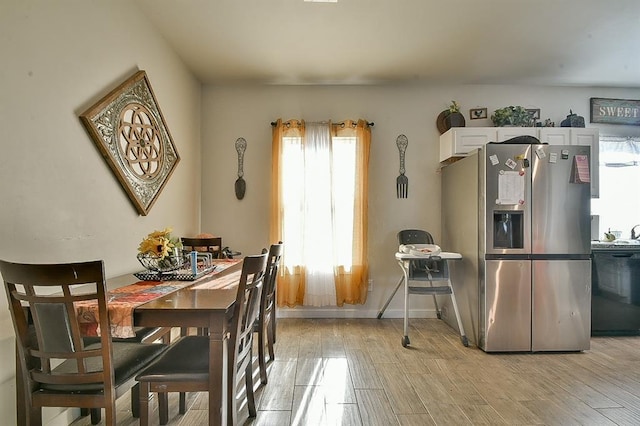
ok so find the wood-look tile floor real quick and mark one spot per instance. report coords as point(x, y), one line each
point(355, 372)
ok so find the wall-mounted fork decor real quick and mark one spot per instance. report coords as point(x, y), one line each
point(402, 182)
point(240, 185)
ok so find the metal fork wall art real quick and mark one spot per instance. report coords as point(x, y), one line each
point(402, 182)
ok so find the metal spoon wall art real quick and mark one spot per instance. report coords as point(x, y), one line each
point(402, 182)
point(241, 185)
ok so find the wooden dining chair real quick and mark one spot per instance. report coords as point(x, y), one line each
point(56, 368)
point(266, 324)
point(211, 245)
point(184, 367)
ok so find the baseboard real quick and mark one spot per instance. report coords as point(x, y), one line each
point(334, 312)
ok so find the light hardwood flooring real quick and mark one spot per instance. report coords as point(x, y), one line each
point(355, 372)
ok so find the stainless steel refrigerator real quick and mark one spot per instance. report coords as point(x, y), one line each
point(520, 216)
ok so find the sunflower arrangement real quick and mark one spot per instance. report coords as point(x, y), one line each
point(159, 251)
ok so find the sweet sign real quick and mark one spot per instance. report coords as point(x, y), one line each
point(615, 111)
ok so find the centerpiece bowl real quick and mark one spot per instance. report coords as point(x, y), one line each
point(169, 263)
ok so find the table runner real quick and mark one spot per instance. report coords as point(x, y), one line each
point(121, 302)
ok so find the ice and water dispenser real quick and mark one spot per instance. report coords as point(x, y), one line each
point(508, 229)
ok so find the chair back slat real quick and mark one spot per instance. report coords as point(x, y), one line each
point(414, 236)
point(52, 320)
point(211, 245)
point(247, 304)
point(271, 275)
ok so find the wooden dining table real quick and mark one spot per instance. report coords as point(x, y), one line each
point(200, 304)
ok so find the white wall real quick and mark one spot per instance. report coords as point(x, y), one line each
point(233, 112)
point(60, 200)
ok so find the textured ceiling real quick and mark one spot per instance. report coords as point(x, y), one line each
point(542, 42)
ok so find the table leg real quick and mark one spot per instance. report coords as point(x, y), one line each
point(218, 378)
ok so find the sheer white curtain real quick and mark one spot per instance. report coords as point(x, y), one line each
point(318, 224)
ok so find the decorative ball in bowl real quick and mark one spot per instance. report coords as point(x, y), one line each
point(168, 263)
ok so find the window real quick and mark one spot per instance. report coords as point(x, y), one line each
point(320, 170)
point(619, 204)
point(324, 175)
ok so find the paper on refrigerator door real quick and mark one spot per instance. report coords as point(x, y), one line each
point(510, 187)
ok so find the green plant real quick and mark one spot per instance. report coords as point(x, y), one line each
point(454, 107)
point(511, 116)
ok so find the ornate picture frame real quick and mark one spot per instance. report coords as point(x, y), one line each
point(132, 135)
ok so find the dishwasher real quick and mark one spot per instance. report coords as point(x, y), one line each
point(615, 301)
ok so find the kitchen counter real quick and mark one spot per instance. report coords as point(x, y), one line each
point(616, 245)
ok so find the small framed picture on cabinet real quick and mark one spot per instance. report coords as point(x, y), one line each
point(477, 113)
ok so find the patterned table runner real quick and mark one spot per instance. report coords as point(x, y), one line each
point(121, 302)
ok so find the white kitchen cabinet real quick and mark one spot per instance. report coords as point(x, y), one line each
point(590, 136)
point(555, 135)
point(578, 136)
point(460, 141)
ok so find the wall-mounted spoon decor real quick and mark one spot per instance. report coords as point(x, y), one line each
point(241, 185)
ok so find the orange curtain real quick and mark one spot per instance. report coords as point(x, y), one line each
point(351, 280)
point(290, 284)
point(351, 285)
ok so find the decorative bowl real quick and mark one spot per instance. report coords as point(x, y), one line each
point(168, 263)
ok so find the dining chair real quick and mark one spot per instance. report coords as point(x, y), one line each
point(266, 324)
point(211, 245)
point(207, 244)
point(142, 335)
point(184, 367)
point(56, 368)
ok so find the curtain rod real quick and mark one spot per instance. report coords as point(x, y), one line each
point(370, 124)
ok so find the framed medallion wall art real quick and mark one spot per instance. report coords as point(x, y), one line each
point(130, 132)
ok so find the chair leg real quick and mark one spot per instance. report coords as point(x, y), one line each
point(166, 338)
point(83, 412)
point(271, 338)
point(273, 324)
point(143, 399)
point(182, 405)
point(110, 413)
point(261, 344)
point(251, 402)
point(35, 416)
point(135, 401)
point(96, 415)
point(163, 407)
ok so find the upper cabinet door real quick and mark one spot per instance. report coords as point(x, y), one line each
point(555, 135)
point(590, 136)
point(460, 141)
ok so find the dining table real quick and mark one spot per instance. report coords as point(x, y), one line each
point(204, 303)
point(207, 303)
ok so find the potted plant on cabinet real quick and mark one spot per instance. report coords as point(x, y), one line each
point(451, 117)
point(515, 116)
